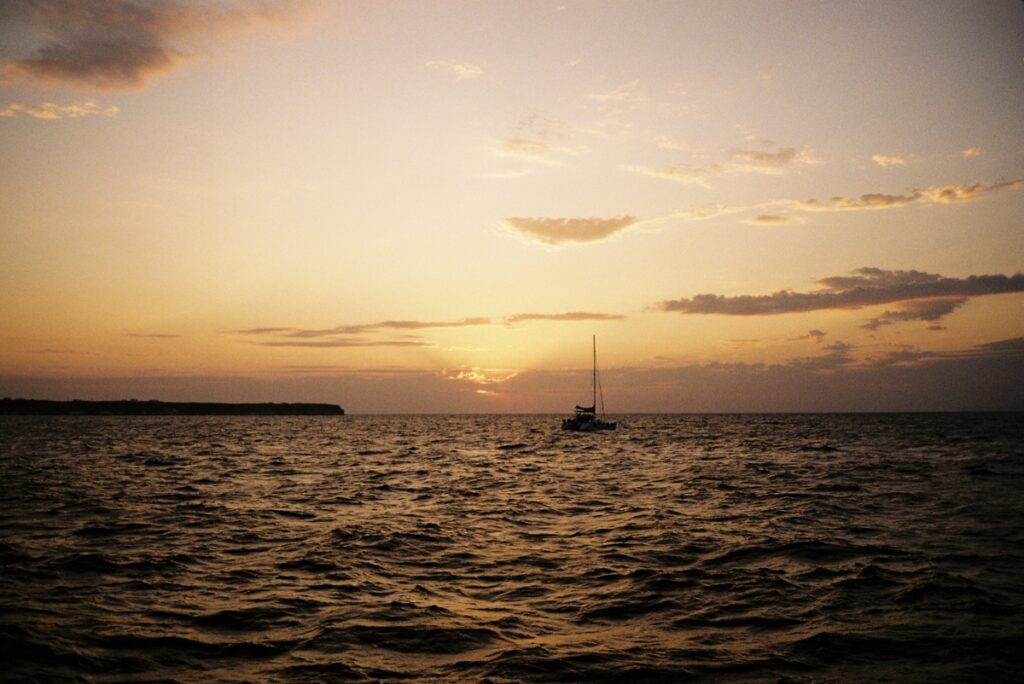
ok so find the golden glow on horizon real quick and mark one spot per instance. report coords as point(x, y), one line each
point(379, 190)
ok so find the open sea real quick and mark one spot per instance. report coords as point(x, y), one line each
point(500, 548)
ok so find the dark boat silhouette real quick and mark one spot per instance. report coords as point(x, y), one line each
point(586, 418)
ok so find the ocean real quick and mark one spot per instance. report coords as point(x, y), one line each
point(500, 548)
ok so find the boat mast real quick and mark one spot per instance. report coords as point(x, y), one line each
point(594, 402)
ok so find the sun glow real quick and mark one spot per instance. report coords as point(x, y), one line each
point(304, 200)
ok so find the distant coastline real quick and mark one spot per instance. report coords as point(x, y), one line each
point(132, 407)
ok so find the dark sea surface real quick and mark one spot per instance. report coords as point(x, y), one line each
point(464, 548)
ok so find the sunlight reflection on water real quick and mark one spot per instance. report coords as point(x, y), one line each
point(477, 546)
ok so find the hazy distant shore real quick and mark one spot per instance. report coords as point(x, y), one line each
point(132, 407)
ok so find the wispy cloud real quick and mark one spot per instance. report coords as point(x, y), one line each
point(367, 334)
point(930, 310)
point(706, 212)
point(154, 336)
point(556, 231)
point(50, 111)
point(118, 44)
point(982, 377)
point(568, 316)
point(536, 150)
point(889, 160)
point(771, 219)
point(955, 193)
point(667, 143)
point(867, 287)
point(774, 163)
point(339, 342)
point(460, 71)
point(673, 173)
point(626, 94)
point(362, 328)
point(816, 335)
point(971, 152)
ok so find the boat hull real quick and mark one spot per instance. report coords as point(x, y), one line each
point(586, 425)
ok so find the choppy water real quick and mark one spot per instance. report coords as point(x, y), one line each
point(462, 548)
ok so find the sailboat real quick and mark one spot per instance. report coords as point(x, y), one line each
point(586, 418)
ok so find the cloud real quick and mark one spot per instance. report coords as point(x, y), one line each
point(667, 143)
point(884, 160)
point(740, 161)
point(675, 174)
point(523, 147)
point(770, 219)
point(952, 194)
point(625, 94)
point(343, 343)
point(773, 163)
point(930, 310)
point(816, 335)
point(119, 44)
point(459, 70)
point(838, 356)
point(971, 152)
point(424, 325)
point(535, 150)
point(868, 287)
point(555, 231)
point(50, 111)
point(361, 328)
point(981, 377)
point(361, 335)
point(568, 316)
point(706, 212)
point(154, 336)
point(942, 194)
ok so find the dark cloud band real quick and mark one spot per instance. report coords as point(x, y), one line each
point(868, 287)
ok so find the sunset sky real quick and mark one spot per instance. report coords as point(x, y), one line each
point(432, 206)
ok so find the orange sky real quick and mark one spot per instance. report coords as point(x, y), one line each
point(431, 207)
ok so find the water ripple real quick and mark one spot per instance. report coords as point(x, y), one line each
point(478, 547)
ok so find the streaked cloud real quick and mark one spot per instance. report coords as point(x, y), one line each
point(773, 163)
point(119, 44)
point(954, 193)
point(460, 71)
point(667, 143)
point(816, 335)
point(867, 287)
point(368, 334)
point(740, 161)
point(771, 219)
point(708, 211)
point(556, 231)
point(888, 160)
point(986, 377)
point(627, 94)
point(568, 316)
point(750, 136)
point(672, 173)
point(339, 342)
point(929, 310)
point(362, 328)
point(154, 336)
point(50, 111)
point(523, 147)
